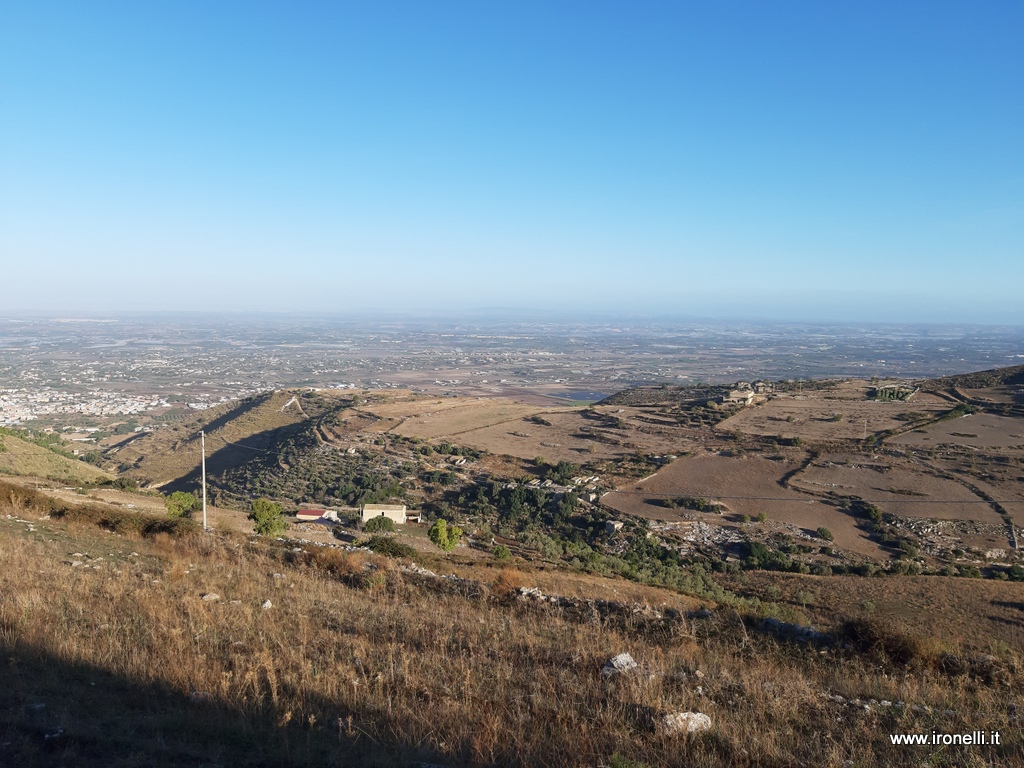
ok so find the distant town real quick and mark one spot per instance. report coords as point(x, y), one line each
point(91, 377)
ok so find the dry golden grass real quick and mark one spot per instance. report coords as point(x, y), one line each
point(356, 663)
point(20, 457)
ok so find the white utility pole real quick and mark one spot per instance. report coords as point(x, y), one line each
point(202, 438)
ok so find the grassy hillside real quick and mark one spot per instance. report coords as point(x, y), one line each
point(995, 377)
point(114, 657)
point(21, 457)
point(665, 395)
point(235, 433)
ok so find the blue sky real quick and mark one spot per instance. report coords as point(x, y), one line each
point(781, 160)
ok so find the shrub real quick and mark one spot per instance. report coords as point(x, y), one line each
point(825, 533)
point(379, 524)
point(508, 582)
point(389, 547)
point(762, 517)
point(889, 642)
point(501, 552)
point(805, 597)
point(267, 517)
point(181, 504)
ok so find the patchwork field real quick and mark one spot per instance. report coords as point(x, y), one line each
point(746, 486)
point(447, 418)
point(512, 428)
point(904, 490)
point(841, 414)
point(979, 430)
point(964, 473)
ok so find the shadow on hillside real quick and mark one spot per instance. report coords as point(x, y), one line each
point(259, 447)
point(56, 713)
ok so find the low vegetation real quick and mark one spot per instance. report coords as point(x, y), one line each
point(201, 646)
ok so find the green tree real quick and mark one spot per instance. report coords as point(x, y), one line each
point(267, 517)
point(379, 524)
point(181, 504)
point(444, 537)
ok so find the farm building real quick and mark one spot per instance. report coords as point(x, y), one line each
point(305, 515)
point(395, 512)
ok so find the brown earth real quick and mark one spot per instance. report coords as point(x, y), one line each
point(813, 416)
point(904, 489)
point(747, 486)
point(979, 430)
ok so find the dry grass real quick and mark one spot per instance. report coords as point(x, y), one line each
point(356, 664)
point(20, 457)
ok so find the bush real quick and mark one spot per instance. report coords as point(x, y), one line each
point(890, 642)
point(501, 553)
point(444, 537)
point(387, 546)
point(379, 524)
point(267, 517)
point(181, 504)
point(825, 533)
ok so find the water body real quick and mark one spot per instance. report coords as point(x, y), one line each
point(580, 395)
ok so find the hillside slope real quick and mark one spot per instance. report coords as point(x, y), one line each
point(994, 377)
point(177, 648)
point(20, 457)
point(234, 433)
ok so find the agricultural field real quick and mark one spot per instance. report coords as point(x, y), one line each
point(511, 428)
point(977, 430)
point(748, 485)
point(896, 486)
point(942, 489)
point(842, 413)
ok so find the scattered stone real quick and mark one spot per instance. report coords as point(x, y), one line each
point(56, 733)
point(209, 597)
point(685, 722)
point(618, 665)
point(76, 563)
point(267, 605)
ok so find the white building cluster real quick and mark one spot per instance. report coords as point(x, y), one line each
point(19, 405)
